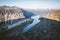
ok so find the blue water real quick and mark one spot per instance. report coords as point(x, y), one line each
point(36, 20)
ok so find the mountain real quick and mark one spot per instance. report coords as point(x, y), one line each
point(46, 13)
point(46, 29)
point(9, 13)
point(53, 14)
point(27, 13)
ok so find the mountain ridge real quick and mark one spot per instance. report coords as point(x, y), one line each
point(9, 13)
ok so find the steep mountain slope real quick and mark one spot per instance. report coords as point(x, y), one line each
point(53, 14)
point(27, 13)
point(46, 13)
point(46, 29)
point(14, 33)
point(9, 13)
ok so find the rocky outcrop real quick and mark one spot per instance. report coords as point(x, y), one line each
point(27, 13)
point(9, 13)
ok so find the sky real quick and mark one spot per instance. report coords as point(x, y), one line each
point(32, 4)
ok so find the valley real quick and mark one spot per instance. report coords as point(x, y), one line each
point(29, 24)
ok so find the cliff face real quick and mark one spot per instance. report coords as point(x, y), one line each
point(9, 13)
point(54, 14)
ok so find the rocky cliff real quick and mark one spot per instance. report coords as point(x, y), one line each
point(10, 13)
point(53, 14)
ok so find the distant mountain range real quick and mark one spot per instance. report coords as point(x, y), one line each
point(8, 13)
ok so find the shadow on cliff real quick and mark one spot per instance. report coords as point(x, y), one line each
point(27, 14)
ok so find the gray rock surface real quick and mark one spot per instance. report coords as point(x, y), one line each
point(9, 13)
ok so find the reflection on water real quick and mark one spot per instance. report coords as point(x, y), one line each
point(36, 20)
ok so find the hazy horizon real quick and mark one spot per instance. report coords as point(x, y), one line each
point(32, 4)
